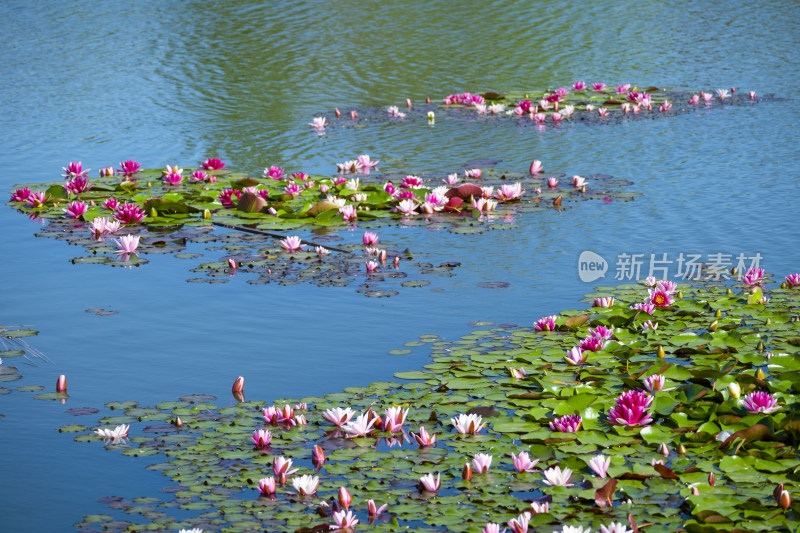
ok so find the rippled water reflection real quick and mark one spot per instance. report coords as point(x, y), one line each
point(176, 83)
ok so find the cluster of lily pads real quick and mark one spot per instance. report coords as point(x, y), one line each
point(580, 102)
point(128, 212)
point(681, 413)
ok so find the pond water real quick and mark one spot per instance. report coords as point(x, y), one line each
point(179, 82)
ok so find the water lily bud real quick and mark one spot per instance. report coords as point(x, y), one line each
point(232, 263)
point(663, 449)
point(153, 212)
point(408, 103)
point(783, 285)
point(734, 389)
point(178, 422)
point(344, 497)
point(61, 383)
point(760, 346)
point(681, 449)
point(711, 478)
point(466, 473)
point(428, 99)
point(734, 271)
point(431, 117)
point(695, 492)
point(353, 114)
point(318, 456)
point(557, 201)
point(396, 261)
point(729, 292)
point(338, 113)
point(206, 213)
point(713, 326)
point(660, 352)
point(718, 314)
point(760, 373)
point(238, 385)
point(769, 321)
point(382, 256)
point(777, 492)
point(785, 500)
point(680, 295)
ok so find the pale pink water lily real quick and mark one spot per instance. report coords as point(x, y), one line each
point(407, 207)
point(753, 276)
point(394, 111)
point(261, 438)
point(568, 111)
point(451, 179)
point(321, 250)
point(76, 209)
point(660, 297)
point(371, 266)
point(129, 213)
point(707, 97)
point(344, 520)
point(292, 244)
point(556, 116)
point(578, 181)
point(536, 167)
point(602, 332)
point(348, 212)
point(364, 163)
point(540, 508)
point(369, 238)
point(507, 192)
point(423, 438)
point(523, 462)
point(760, 402)
point(557, 477)
point(107, 171)
point(589, 108)
point(546, 323)
point(520, 523)
point(664, 107)
point(649, 324)
point(626, 108)
point(347, 166)
point(574, 529)
point(318, 456)
point(723, 94)
point(599, 464)
point(598, 86)
point(552, 182)
point(752, 95)
point(74, 169)
point(436, 201)
point(654, 382)
point(491, 527)
point(481, 109)
point(667, 286)
point(603, 112)
point(615, 527)
point(631, 409)
point(360, 427)
point(517, 373)
point(429, 483)
point(282, 467)
point(486, 192)
point(469, 424)
point(644, 306)
point(539, 118)
point(694, 100)
point(481, 463)
point(544, 104)
point(293, 189)
point(394, 419)
point(318, 123)
point(127, 244)
point(576, 356)
point(103, 225)
point(115, 435)
point(77, 185)
point(473, 173)
point(266, 485)
point(373, 510)
point(483, 205)
point(606, 301)
point(306, 484)
point(344, 497)
point(495, 109)
point(566, 423)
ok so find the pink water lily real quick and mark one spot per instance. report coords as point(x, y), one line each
point(566, 423)
point(76, 209)
point(660, 297)
point(481, 463)
point(760, 402)
point(644, 306)
point(423, 438)
point(491, 527)
point(606, 301)
point(546, 323)
point(540, 508)
point(557, 477)
point(429, 483)
point(129, 168)
point(793, 280)
point(348, 212)
point(274, 172)
point(694, 100)
point(593, 344)
point(107, 171)
point(266, 485)
point(261, 438)
point(364, 163)
point(344, 520)
point(292, 244)
point(318, 123)
point(576, 356)
point(631, 409)
point(74, 170)
point(666, 106)
point(523, 462)
point(508, 193)
point(552, 182)
point(407, 207)
point(394, 419)
point(520, 523)
point(103, 225)
point(654, 382)
point(598, 86)
point(468, 424)
point(602, 332)
point(20, 195)
point(77, 185)
point(578, 181)
point(536, 167)
point(61, 383)
point(483, 205)
point(127, 244)
point(754, 276)
point(338, 416)
point(539, 118)
point(599, 464)
point(282, 467)
point(369, 238)
point(213, 163)
point(37, 199)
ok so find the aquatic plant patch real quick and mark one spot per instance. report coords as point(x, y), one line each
point(666, 414)
point(595, 103)
point(125, 215)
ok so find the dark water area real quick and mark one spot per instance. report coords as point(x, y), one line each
point(166, 83)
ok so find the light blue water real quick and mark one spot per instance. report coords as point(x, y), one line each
point(177, 83)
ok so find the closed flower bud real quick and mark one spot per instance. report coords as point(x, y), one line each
point(712, 479)
point(344, 497)
point(663, 450)
point(785, 500)
point(61, 383)
point(153, 212)
point(713, 326)
point(777, 492)
point(178, 422)
point(466, 473)
point(337, 112)
point(682, 449)
point(718, 314)
point(318, 456)
point(238, 385)
point(734, 389)
point(660, 352)
point(760, 346)
point(760, 373)
point(206, 213)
